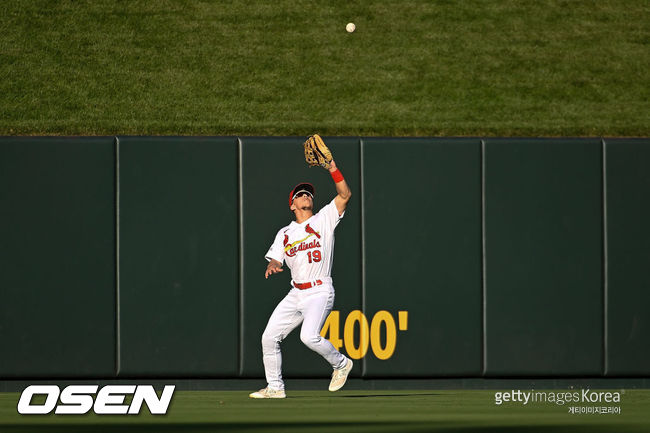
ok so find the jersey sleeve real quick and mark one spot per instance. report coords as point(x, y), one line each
point(276, 251)
point(330, 215)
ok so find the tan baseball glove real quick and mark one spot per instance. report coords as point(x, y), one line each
point(316, 153)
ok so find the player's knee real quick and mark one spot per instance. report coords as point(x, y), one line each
point(269, 340)
point(310, 340)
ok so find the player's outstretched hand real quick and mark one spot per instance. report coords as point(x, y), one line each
point(273, 268)
point(316, 152)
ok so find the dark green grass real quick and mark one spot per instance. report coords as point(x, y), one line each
point(510, 67)
point(345, 411)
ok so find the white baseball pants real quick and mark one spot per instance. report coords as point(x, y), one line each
point(311, 307)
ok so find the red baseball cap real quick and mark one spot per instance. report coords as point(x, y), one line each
point(301, 187)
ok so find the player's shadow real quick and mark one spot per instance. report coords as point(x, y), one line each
point(365, 395)
point(384, 395)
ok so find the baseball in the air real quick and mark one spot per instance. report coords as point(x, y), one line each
point(350, 27)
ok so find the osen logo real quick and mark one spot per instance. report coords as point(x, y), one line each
point(79, 399)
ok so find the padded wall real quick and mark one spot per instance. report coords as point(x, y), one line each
point(178, 231)
point(271, 168)
point(57, 261)
point(423, 253)
point(544, 257)
point(503, 257)
point(628, 258)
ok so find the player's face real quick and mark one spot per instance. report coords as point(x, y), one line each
point(303, 201)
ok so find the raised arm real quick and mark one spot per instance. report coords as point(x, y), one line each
point(342, 189)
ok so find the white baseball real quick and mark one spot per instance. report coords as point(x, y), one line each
point(350, 27)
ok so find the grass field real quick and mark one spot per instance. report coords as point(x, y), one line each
point(345, 411)
point(414, 67)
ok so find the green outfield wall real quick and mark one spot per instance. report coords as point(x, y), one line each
point(130, 257)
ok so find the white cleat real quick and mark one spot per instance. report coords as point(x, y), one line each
point(268, 393)
point(340, 376)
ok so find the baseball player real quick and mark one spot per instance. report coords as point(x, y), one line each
point(307, 247)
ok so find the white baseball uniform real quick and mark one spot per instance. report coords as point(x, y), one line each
point(308, 250)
